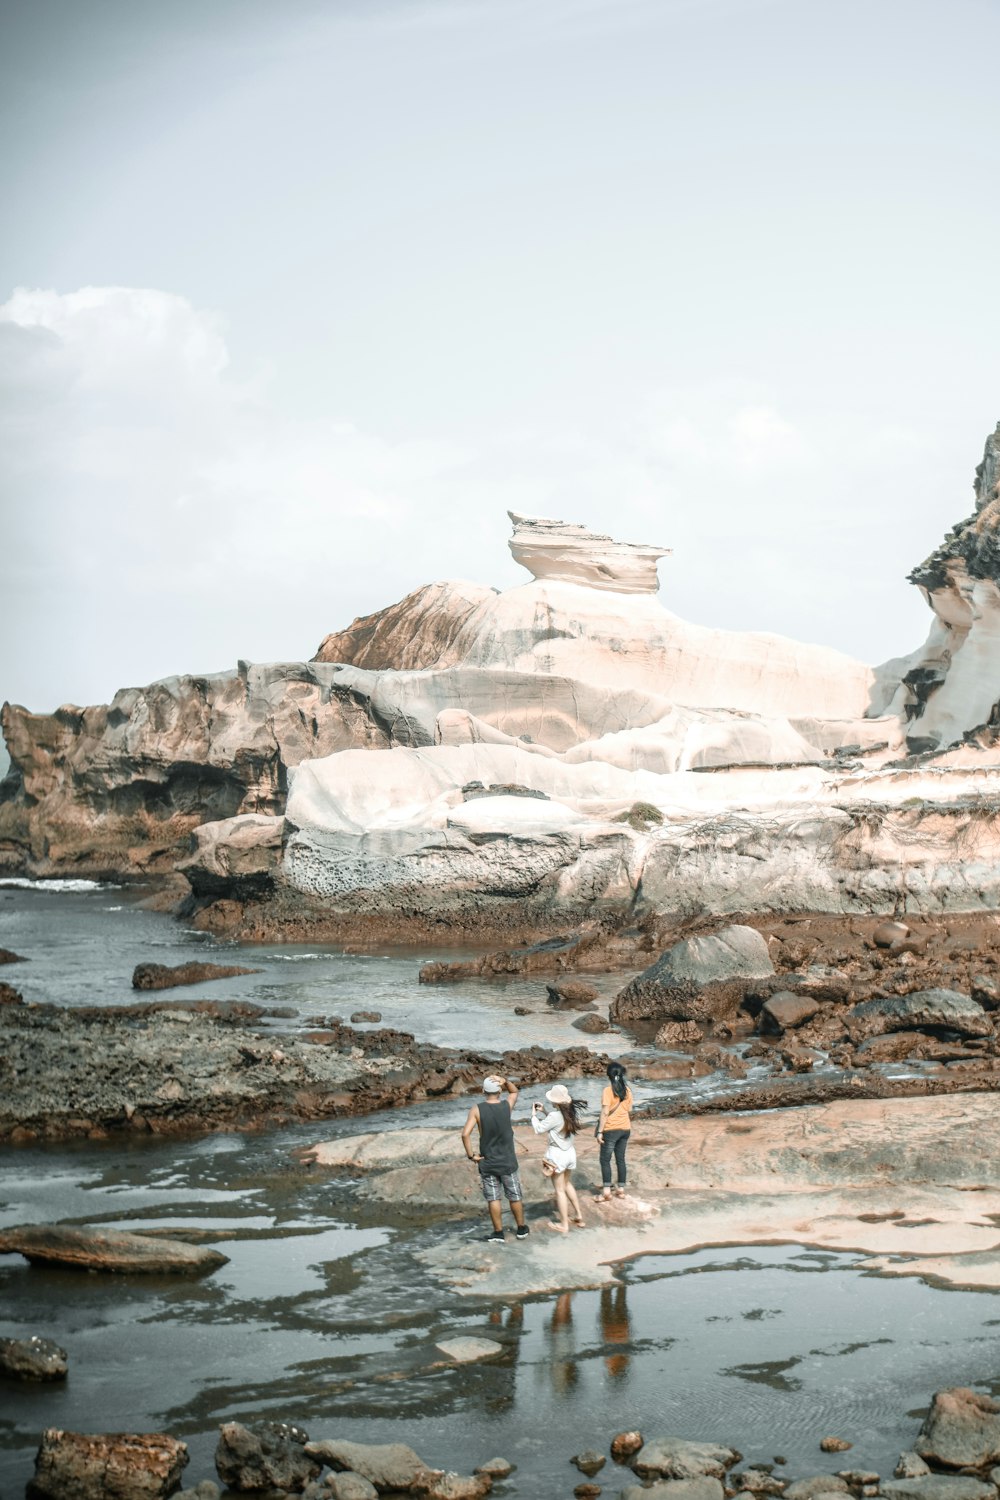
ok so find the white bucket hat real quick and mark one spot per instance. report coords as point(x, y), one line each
point(559, 1094)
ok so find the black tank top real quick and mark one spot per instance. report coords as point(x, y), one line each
point(496, 1139)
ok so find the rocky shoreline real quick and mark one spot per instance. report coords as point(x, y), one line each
point(165, 1068)
point(955, 1457)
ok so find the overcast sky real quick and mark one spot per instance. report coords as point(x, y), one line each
point(299, 298)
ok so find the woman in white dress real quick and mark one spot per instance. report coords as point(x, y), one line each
point(560, 1124)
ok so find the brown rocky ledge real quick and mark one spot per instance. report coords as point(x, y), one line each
point(161, 1068)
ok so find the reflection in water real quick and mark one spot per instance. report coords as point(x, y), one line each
point(562, 1346)
point(616, 1328)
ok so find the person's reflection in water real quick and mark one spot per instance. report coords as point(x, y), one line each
point(616, 1328)
point(563, 1341)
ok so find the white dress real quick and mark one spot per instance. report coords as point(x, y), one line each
point(561, 1152)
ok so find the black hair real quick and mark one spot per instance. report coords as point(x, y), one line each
point(570, 1124)
point(617, 1075)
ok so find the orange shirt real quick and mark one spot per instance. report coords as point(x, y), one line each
point(617, 1112)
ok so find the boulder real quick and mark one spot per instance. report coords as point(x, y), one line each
point(676, 1458)
point(819, 982)
point(814, 1485)
point(160, 977)
point(698, 979)
point(388, 1466)
point(107, 1250)
point(466, 1350)
point(350, 1486)
point(887, 934)
point(366, 1017)
point(589, 1462)
point(678, 1034)
point(784, 1011)
point(910, 1466)
point(625, 1444)
point(496, 1468)
point(935, 1009)
point(267, 1455)
point(961, 1431)
point(32, 1359)
point(593, 1024)
point(758, 1482)
point(106, 1466)
point(985, 991)
point(705, 1488)
point(938, 1487)
point(570, 994)
point(437, 1486)
point(834, 1444)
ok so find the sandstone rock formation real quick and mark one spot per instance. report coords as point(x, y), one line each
point(951, 684)
point(553, 549)
point(474, 759)
point(108, 1250)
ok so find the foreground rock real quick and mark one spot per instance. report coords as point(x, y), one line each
point(107, 1466)
point(160, 977)
point(675, 1458)
point(961, 1430)
point(264, 1456)
point(33, 1359)
point(904, 1184)
point(163, 1070)
point(108, 1250)
point(699, 979)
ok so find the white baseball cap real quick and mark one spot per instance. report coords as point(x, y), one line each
point(491, 1085)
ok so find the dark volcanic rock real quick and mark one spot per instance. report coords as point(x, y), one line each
point(938, 1009)
point(107, 1466)
point(166, 1067)
point(266, 1456)
point(571, 994)
point(32, 1359)
point(160, 977)
point(698, 979)
point(784, 1011)
point(107, 1250)
point(7, 957)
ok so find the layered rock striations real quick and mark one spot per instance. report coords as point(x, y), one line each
point(475, 760)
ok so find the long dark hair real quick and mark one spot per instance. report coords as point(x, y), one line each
point(616, 1073)
point(570, 1124)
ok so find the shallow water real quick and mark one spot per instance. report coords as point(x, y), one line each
point(325, 1317)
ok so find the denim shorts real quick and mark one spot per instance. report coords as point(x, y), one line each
point(510, 1182)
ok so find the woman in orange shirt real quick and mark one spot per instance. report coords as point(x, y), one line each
point(613, 1130)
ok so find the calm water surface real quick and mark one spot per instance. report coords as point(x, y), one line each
point(325, 1317)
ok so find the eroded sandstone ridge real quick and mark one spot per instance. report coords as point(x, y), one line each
point(478, 761)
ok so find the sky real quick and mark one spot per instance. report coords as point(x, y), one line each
point(297, 300)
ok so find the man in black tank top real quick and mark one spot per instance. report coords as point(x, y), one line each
point(497, 1155)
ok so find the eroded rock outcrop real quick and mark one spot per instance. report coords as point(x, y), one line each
point(952, 683)
point(474, 759)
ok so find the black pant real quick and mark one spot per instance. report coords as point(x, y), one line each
point(614, 1143)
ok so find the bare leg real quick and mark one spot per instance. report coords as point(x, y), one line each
point(562, 1208)
point(517, 1209)
point(496, 1215)
point(574, 1201)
